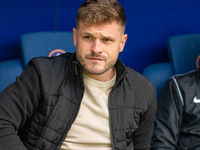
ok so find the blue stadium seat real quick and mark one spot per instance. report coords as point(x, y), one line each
point(35, 44)
point(38, 44)
point(183, 51)
point(158, 74)
point(8, 71)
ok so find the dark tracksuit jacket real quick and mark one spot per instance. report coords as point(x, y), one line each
point(177, 124)
point(44, 101)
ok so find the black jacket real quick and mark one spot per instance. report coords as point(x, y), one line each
point(177, 124)
point(44, 101)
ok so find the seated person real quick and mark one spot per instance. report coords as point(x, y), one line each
point(88, 100)
point(177, 123)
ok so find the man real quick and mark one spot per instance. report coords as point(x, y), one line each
point(177, 123)
point(86, 100)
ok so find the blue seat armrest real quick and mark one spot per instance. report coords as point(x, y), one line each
point(158, 74)
point(8, 72)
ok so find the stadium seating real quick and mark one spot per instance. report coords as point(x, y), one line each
point(183, 51)
point(35, 44)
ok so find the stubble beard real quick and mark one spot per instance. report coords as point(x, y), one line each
point(93, 68)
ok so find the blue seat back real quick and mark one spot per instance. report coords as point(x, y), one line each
point(38, 44)
point(183, 51)
point(8, 71)
point(35, 44)
point(158, 74)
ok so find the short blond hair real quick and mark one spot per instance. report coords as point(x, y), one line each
point(99, 12)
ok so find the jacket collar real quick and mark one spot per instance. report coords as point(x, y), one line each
point(120, 70)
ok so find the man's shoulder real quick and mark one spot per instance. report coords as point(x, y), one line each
point(186, 77)
point(184, 82)
point(136, 77)
point(48, 63)
point(141, 88)
point(54, 59)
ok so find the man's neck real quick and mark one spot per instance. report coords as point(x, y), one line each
point(108, 75)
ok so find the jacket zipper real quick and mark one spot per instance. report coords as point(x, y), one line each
point(109, 99)
point(110, 124)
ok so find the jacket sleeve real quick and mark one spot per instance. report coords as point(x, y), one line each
point(142, 136)
point(17, 103)
point(168, 118)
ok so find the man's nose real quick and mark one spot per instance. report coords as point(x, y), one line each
point(96, 46)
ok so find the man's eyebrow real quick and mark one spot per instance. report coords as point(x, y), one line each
point(101, 35)
point(107, 37)
point(86, 33)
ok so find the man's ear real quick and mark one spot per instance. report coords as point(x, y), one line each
point(123, 41)
point(74, 36)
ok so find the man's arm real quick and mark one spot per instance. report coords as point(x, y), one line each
point(17, 103)
point(168, 118)
point(142, 136)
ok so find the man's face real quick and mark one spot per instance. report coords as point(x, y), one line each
point(98, 47)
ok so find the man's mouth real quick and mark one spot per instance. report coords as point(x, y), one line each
point(96, 58)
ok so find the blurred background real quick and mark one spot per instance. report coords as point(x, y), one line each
point(149, 25)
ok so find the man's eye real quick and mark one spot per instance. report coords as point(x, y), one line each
point(88, 37)
point(107, 40)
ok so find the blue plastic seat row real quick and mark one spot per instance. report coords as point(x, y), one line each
point(35, 44)
point(183, 51)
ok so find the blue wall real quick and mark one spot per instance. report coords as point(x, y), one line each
point(149, 24)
